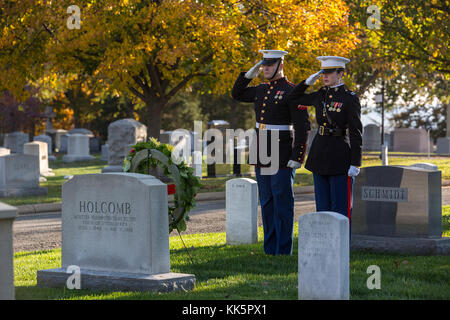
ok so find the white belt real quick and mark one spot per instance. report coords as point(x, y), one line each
point(274, 126)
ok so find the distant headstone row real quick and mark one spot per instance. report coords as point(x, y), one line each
point(400, 140)
point(93, 141)
point(403, 140)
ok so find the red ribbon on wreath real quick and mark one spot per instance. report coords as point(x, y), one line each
point(170, 188)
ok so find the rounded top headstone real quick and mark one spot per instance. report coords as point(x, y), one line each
point(425, 165)
point(77, 135)
point(7, 211)
point(81, 131)
point(245, 181)
point(129, 122)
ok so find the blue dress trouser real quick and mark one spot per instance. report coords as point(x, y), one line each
point(334, 193)
point(276, 198)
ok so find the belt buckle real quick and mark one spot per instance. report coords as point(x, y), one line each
point(262, 126)
point(321, 130)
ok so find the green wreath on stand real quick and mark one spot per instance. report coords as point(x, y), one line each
point(145, 156)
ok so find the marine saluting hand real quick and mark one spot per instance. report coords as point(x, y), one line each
point(254, 71)
point(313, 78)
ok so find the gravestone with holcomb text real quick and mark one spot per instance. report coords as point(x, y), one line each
point(115, 229)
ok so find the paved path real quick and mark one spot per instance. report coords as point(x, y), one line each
point(43, 231)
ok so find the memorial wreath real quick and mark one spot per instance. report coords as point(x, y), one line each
point(152, 154)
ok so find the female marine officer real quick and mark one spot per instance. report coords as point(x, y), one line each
point(335, 154)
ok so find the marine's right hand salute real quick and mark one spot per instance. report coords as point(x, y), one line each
point(254, 71)
point(313, 78)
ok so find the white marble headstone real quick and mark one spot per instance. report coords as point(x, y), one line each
point(39, 148)
point(47, 139)
point(410, 140)
point(105, 148)
point(7, 216)
point(115, 231)
point(4, 151)
point(323, 256)
point(371, 138)
point(241, 211)
point(115, 222)
point(122, 134)
point(197, 163)
point(78, 148)
point(19, 175)
point(15, 141)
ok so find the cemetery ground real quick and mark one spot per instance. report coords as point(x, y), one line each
point(245, 272)
point(302, 178)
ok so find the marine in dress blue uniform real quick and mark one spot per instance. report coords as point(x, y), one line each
point(335, 153)
point(273, 112)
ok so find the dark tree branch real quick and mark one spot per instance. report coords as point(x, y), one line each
point(154, 77)
point(182, 83)
point(363, 87)
point(136, 92)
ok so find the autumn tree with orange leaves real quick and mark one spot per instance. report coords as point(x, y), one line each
point(152, 50)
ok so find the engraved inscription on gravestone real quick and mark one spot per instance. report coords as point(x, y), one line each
point(384, 194)
point(105, 216)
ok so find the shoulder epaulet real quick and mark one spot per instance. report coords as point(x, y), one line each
point(349, 91)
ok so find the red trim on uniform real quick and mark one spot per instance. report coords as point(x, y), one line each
point(291, 83)
point(349, 198)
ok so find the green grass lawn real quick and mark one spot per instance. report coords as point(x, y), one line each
point(443, 163)
point(245, 272)
point(302, 178)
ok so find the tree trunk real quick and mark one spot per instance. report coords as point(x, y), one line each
point(153, 120)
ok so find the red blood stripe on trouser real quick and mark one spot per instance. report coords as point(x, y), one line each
point(349, 198)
